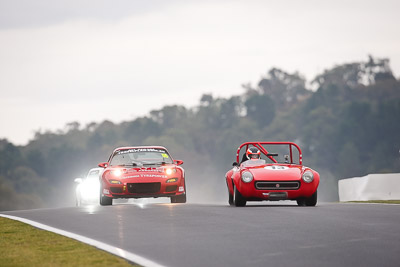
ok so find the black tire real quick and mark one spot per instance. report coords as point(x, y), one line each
point(105, 201)
point(180, 198)
point(312, 201)
point(308, 201)
point(301, 201)
point(230, 196)
point(238, 199)
point(230, 200)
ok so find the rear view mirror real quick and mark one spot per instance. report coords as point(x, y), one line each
point(78, 180)
point(178, 162)
point(235, 164)
point(103, 165)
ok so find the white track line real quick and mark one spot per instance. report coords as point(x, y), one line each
point(103, 246)
point(370, 203)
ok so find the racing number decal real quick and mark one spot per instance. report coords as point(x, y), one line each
point(276, 168)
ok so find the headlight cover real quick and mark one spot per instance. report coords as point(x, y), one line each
point(247, 177)
point(116, 173)
point(308, 177)
point(89, 189)
point(170, 171)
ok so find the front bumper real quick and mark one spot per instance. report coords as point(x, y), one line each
point(284, 190)
point(142, 189)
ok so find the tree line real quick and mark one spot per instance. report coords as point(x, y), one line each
point(347, 126)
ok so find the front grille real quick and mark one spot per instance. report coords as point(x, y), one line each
point(278, 185)
point(116, 189)
point(171, 188)
point(147, 188)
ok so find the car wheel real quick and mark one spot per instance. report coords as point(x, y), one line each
point(104, 200)
point(230, 196)
point(180, 198)
point(311, 201)
point(301, 201)
point(238, 199)
point(308, 201)
point(230, 200)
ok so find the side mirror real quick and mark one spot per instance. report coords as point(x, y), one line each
point(103, 165)
point(178, 162)
point(78, 180)
point(235, 164)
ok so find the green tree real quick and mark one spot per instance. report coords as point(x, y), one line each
point(260, 108)
point(283, 88)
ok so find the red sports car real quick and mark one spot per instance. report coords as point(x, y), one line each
point(142, 172)
point(271, 171)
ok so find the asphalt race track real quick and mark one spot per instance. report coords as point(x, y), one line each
point(256, 235)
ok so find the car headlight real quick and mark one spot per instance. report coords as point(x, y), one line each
point(116, 173)
point(308, 176)
point(90, 189)
point(170, 171)
point(247, 177)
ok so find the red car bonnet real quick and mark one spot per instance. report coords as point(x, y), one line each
point(278, 172)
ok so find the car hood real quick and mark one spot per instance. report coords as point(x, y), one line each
point(129, 174)
point(153, 168)
point(276, 172)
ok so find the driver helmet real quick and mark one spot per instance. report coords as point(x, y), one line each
point(253, 153)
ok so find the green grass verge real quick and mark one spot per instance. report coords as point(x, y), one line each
point(25, 245)
point(378, 201)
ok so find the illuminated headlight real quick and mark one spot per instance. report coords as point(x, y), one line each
point(90, 189)
point(308, 176)
point(247, 177)
point(116, 173)
point(170, 171)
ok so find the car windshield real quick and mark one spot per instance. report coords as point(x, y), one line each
point(140, 157)
point(92, 177)
point(281, 153)
point(257, 162)
point(93, 173)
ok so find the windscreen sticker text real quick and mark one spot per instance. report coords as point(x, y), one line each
point(135, 150)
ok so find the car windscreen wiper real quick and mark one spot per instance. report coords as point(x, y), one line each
point(154, 163)
point(127, 164)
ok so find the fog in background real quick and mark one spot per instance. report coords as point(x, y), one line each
point(80, 78)
point(86, 61)
point(204, 185)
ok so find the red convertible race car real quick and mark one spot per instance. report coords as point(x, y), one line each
point(271, 171)
point(142, 172)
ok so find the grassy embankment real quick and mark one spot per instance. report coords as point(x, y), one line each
point(25, 245)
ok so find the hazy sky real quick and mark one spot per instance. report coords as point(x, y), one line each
point(63, 61)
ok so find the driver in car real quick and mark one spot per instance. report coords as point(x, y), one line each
point(252, 157)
